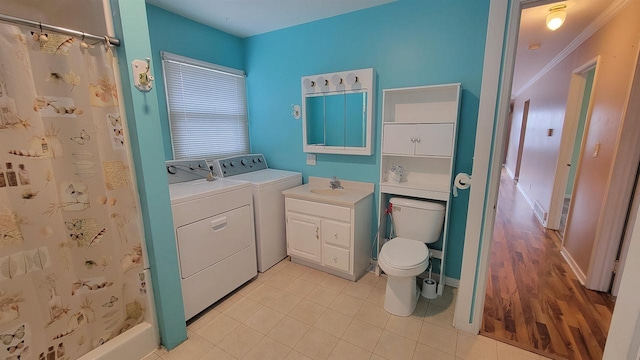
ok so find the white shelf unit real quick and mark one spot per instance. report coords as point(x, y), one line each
point(419, 133)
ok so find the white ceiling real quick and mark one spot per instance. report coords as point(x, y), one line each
point(533, 30)
point(245, 18)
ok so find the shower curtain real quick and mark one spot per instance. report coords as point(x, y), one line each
point(70, 236)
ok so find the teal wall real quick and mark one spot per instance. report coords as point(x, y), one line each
point(176, 34)
point(408, 43)
point(143, 121)
point(575, 155)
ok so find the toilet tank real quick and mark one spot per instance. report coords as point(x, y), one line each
point(417, 219)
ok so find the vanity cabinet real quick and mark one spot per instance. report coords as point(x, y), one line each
point(327, 232)
point(419, 134)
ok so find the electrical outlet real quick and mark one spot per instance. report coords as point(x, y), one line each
point(311, 159)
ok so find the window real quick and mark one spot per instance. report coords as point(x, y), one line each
point(207, 108)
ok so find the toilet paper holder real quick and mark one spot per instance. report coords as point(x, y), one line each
point(462, 181)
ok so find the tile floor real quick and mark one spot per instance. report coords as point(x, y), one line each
point(294, 312)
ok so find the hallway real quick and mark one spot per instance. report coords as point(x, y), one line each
point(533, 299)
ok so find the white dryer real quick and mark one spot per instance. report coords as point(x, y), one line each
point(213, 222)
point(268, 202)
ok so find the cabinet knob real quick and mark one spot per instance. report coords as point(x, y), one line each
point(335, 235)
point(317, 233)
point(335, 259)
point(413, 140)
point(418, 140)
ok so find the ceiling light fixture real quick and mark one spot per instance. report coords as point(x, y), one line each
point(556, 17)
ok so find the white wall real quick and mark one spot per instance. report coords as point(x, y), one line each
point(616, 44)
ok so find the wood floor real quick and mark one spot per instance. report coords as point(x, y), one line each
point(533, 300)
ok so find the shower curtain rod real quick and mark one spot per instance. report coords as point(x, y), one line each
point(38, 25)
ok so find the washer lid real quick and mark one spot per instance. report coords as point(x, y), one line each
point(404, 253)
point(266, 177)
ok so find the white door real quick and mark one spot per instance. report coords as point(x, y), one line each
point(303, 237)
point(434, 139)
point(399, 139)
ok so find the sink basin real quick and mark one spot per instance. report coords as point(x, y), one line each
point(329, 192)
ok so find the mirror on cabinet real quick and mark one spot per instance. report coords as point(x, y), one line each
point(337, 112)
point(337, 119)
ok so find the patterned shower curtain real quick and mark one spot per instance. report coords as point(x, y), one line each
point(70, 240)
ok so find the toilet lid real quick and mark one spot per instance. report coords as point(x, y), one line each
point(404, 253)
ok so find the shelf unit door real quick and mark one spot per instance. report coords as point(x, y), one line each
point(398, 139)
point(434, 139)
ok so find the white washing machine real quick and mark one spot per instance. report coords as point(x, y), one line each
point(213, 223)
point(268, 202)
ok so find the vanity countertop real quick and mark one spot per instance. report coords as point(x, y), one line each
point(318, 190)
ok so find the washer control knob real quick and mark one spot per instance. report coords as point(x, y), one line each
point(243, 161)
point(224, 165)
point(232, 164)
point(259, 160)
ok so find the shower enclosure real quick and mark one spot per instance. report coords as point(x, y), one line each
point(72, 272)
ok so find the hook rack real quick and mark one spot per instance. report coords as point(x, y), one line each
point(142, 78)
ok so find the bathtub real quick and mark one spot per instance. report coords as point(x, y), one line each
point(135, 343)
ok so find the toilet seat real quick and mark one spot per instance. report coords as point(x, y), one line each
point(404, 254)
point(404, 257)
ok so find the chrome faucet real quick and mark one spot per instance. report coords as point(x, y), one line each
point(334, 183)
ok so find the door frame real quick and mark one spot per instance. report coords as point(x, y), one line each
point(523, 134)
point(568, 138)
point(495, 98)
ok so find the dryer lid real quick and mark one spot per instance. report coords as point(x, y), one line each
point(404, 253)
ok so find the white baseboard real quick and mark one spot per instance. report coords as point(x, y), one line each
point(573, 265)
point(526, 197)
point(510, 172)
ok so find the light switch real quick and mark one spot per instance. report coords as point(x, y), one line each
point(311, 159)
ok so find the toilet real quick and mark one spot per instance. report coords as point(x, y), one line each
point(402, 258)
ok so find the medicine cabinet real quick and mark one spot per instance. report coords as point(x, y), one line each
point(337, 112)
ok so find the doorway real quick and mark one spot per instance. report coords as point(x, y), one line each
point(486, 171)
point(585, 79)
point(533, 298)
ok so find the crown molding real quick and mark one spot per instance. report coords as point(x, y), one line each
point(609, 13)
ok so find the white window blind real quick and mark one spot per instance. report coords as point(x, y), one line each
point(207, 108)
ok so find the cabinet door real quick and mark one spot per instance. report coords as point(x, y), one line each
point(303, 237)
point(398, 139)
point(336, 258)
point(434, 139)
point(336, 233)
